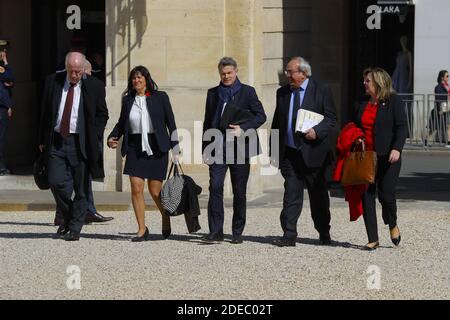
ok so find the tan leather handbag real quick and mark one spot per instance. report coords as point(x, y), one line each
point(360, 167)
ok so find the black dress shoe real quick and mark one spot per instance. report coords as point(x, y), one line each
point(96, 218)
point(237, 240)
point(213, 237)
point(283, 242)
point(72, 236)
point(166, 233)
point(62, 231)
point(4, 172)
point(325, 240)
point(142, 238)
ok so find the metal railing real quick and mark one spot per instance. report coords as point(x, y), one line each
point(428, 119)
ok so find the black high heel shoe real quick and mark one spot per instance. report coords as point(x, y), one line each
point(396, 241)
point(166, 233)
point(371, 248)
point(142, 238)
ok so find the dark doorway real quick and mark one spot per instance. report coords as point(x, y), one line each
point(50, 41)
point(379, 47)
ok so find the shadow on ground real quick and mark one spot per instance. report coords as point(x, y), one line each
point(415, 187)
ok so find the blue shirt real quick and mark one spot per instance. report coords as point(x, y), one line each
point(290, 133)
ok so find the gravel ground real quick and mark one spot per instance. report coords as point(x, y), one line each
point(34, 266)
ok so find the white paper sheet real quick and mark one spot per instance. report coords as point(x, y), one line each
point(307, 120)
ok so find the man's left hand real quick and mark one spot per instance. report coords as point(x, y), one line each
point(10, 113)
point(311, 135)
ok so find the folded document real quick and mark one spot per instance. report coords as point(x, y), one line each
point(307, 120)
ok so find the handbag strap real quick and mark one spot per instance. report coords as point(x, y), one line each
point(363, 147)
point(175, 167)
point(172, 169)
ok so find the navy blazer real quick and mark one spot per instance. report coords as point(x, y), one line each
point(391, 125)
point(247, 99)
point(162, 117)
point(92, 119)
point(5, 94)
point(318, 98)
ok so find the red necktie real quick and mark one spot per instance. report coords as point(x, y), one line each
point(64, 129)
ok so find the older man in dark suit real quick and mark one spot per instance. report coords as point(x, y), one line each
point(304, 156)
point(234, 153)
point(74, 116)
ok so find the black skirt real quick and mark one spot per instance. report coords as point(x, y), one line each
point(139, 164)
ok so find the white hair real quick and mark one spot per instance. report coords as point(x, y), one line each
point(87, 67)
point(74, 53)
point(303, 66)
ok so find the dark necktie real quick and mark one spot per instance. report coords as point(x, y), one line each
point(295, 109)
point(64, 129)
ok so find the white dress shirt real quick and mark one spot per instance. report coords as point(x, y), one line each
point(141, 123)
point(75, 107)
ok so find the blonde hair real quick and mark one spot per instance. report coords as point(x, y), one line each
point(382, 81)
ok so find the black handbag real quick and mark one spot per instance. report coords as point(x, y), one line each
point(40, 172)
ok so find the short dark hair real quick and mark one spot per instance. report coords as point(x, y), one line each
point(227, 61)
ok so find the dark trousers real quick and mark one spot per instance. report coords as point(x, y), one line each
point(89, 195)
point(64, 157)
point(239, 178)
point(386, 182)
point(297, 176)
point(3, 126)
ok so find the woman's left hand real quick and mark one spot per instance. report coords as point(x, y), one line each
point(394, 157)
point(176, 157)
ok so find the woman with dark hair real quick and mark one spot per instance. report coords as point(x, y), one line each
point(439, 117)
point(383, 121)
point(147, 124)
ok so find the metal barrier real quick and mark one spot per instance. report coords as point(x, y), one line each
point(439, 120)
point(428, 119)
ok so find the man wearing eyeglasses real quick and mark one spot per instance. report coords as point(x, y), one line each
point(303, 157)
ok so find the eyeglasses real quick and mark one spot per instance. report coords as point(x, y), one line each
point(291, 72)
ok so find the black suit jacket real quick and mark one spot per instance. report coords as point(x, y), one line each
point(318, 98)
point(92, 120)
point(161, 114)
point(441, 96)
point(247, 99)
point(391, 126)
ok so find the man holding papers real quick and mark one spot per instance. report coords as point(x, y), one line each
point(304, 116)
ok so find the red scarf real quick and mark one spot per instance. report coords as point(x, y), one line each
point(447, 87)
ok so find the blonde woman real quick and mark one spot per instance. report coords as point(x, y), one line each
point(384, 123)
